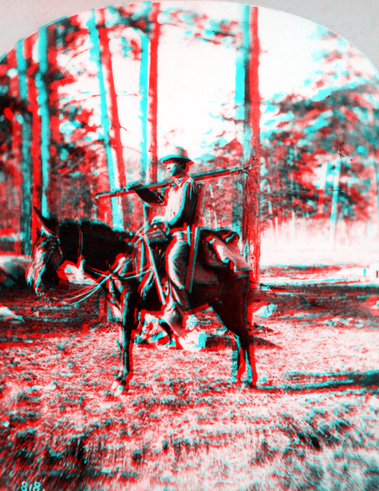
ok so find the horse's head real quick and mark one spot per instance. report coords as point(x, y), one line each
point(46, 255)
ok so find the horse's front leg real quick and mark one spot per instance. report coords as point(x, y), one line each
point(237, 366)
point(125, 370)
point(248, 351)
point(128, 312)
point(122, 341)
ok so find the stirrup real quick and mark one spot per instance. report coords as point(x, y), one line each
point(112, 300)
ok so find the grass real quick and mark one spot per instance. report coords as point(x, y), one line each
point(312, 423)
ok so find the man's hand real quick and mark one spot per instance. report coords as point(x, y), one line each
point(131, 186)
point(157, 220)
point(160, 222)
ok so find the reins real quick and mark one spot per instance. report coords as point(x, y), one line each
point(82, 295)
point(50, 232)
point(129, 276)
point(80, 246)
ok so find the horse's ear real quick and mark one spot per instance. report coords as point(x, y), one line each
point(50, 225)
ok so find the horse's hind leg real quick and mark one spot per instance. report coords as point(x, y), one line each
point(124, 367)
point(232, 313)
point(128, 307)
point(249, 356)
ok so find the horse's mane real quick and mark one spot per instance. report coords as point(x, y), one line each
point(95, 227)
point(105, 241)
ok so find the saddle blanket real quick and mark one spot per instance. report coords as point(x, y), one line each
point(219, 249)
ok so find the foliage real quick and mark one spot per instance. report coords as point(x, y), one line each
point(332, 119)
point(199, 26)
point(306, 132)
point(73, 150)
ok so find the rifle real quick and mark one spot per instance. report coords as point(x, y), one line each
point(200, 176)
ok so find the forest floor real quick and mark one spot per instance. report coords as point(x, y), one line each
point(311, 423)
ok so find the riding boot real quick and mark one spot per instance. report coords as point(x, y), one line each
point(172, 344)
point(174, 318)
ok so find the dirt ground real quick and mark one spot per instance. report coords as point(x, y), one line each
point(311, 423)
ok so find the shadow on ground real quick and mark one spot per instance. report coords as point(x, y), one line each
point(328, 381)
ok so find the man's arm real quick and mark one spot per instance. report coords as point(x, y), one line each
point(147, 195)
point(185, 212)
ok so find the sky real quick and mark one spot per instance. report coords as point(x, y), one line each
point(197, 78)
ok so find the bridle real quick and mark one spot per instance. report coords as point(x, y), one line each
point(81, 242)
point(53, 242)
point(83, 294)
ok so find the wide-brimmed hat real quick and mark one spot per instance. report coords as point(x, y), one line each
point(177, 153)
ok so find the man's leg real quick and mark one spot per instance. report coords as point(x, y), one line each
point(176, 266)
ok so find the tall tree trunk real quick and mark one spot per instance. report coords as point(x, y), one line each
point(334, 212)
point(144, 97)
point(375, 163)
point(36, 174)
point(321, 194)
point(58, 191)
point(113, 175)
point(115, 127)
point(239, 102)
point(152, 168)
point(148, 91)
point(14, 192)
point(291, 159)
point(26, 160)
point(43, 102)
point(251, 212)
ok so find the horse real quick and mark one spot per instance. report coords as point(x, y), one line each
point(110, 258)
point(48, 277)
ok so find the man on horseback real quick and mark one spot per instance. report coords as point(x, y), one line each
point(224, 288)
point(180, 201)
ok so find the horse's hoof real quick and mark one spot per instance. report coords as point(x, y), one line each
point(120, 390)
point(168, 346)
point(235, 381)
point(115, 385)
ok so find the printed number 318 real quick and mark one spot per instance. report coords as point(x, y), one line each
point(36, 486)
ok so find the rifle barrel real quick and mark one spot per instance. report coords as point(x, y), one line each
point(199, 176)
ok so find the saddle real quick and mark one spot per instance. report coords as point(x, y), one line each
point(218, 249)
point(212, 252)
